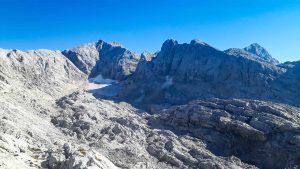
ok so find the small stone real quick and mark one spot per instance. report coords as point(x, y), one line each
point(91, 161)
point(22, 150)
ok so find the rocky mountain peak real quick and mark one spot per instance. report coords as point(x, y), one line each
point(147, 56)
point(198, 70)
point(111, 60)
point(198, 42)
point(101, 42)
point(261, 52)
point(52, 117)
point(168, 44)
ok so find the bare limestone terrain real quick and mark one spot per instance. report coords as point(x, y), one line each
point(100, 106)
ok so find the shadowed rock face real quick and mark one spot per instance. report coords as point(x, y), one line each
point(110, 60)
point(286, 86)
point(198, 71)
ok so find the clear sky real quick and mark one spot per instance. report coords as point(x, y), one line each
point(145, 24)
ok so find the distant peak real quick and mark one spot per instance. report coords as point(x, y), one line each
point(147, 56)
point(198, 41)
point(169, 44)
point(261, 52)
point(171, 41)
point(116, 44)
point(256, 45)
point(100, 42)
point(113, 44)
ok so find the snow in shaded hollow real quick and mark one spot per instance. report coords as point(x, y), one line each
point(102, 86)
point(168, 82)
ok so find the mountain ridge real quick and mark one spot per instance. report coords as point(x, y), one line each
point(185, 106)
point(199, 70)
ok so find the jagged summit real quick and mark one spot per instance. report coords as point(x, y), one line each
point(198, 41)
point(168, 44)
point(101, 42)
point(172, 42)
point(261, 52)
point(111, 60)
point(52, 117)
point(201, 71)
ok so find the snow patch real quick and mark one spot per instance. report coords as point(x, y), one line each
point(100, 80)
point(168, 82)
point(105, 87)
point(106, 90)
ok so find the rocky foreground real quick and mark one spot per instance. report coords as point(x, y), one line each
point(202, 134)
point(50, 118)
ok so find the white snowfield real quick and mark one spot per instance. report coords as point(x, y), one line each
point(105, 87)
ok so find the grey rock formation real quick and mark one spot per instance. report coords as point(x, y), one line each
point(84, 56)
point(202, 134)
point(287, 84)
point(31, 82)
point(197, 70)
point(45, 70)
point(263, 134)
point(46, 102)
point(74, 160)
point(261, 52)
point(243, 53)
point(133, 139)
point(110, 60)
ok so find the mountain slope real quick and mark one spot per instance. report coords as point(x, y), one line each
point(44, 70)
point(101, 58)
point(50, 117)
point(183, 72)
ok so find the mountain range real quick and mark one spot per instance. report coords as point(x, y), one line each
point(188, 105)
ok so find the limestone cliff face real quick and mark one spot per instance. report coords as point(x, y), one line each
point(261, 52)
point(110, 60)
point(46, 70)
point(197, 70)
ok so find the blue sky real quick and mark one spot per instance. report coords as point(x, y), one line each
point(144, 25)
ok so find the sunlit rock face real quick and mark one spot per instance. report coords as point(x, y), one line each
point(45, 70)
point(261, 52)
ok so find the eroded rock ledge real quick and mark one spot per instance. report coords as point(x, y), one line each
point(202, 134)
point(263, 134)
